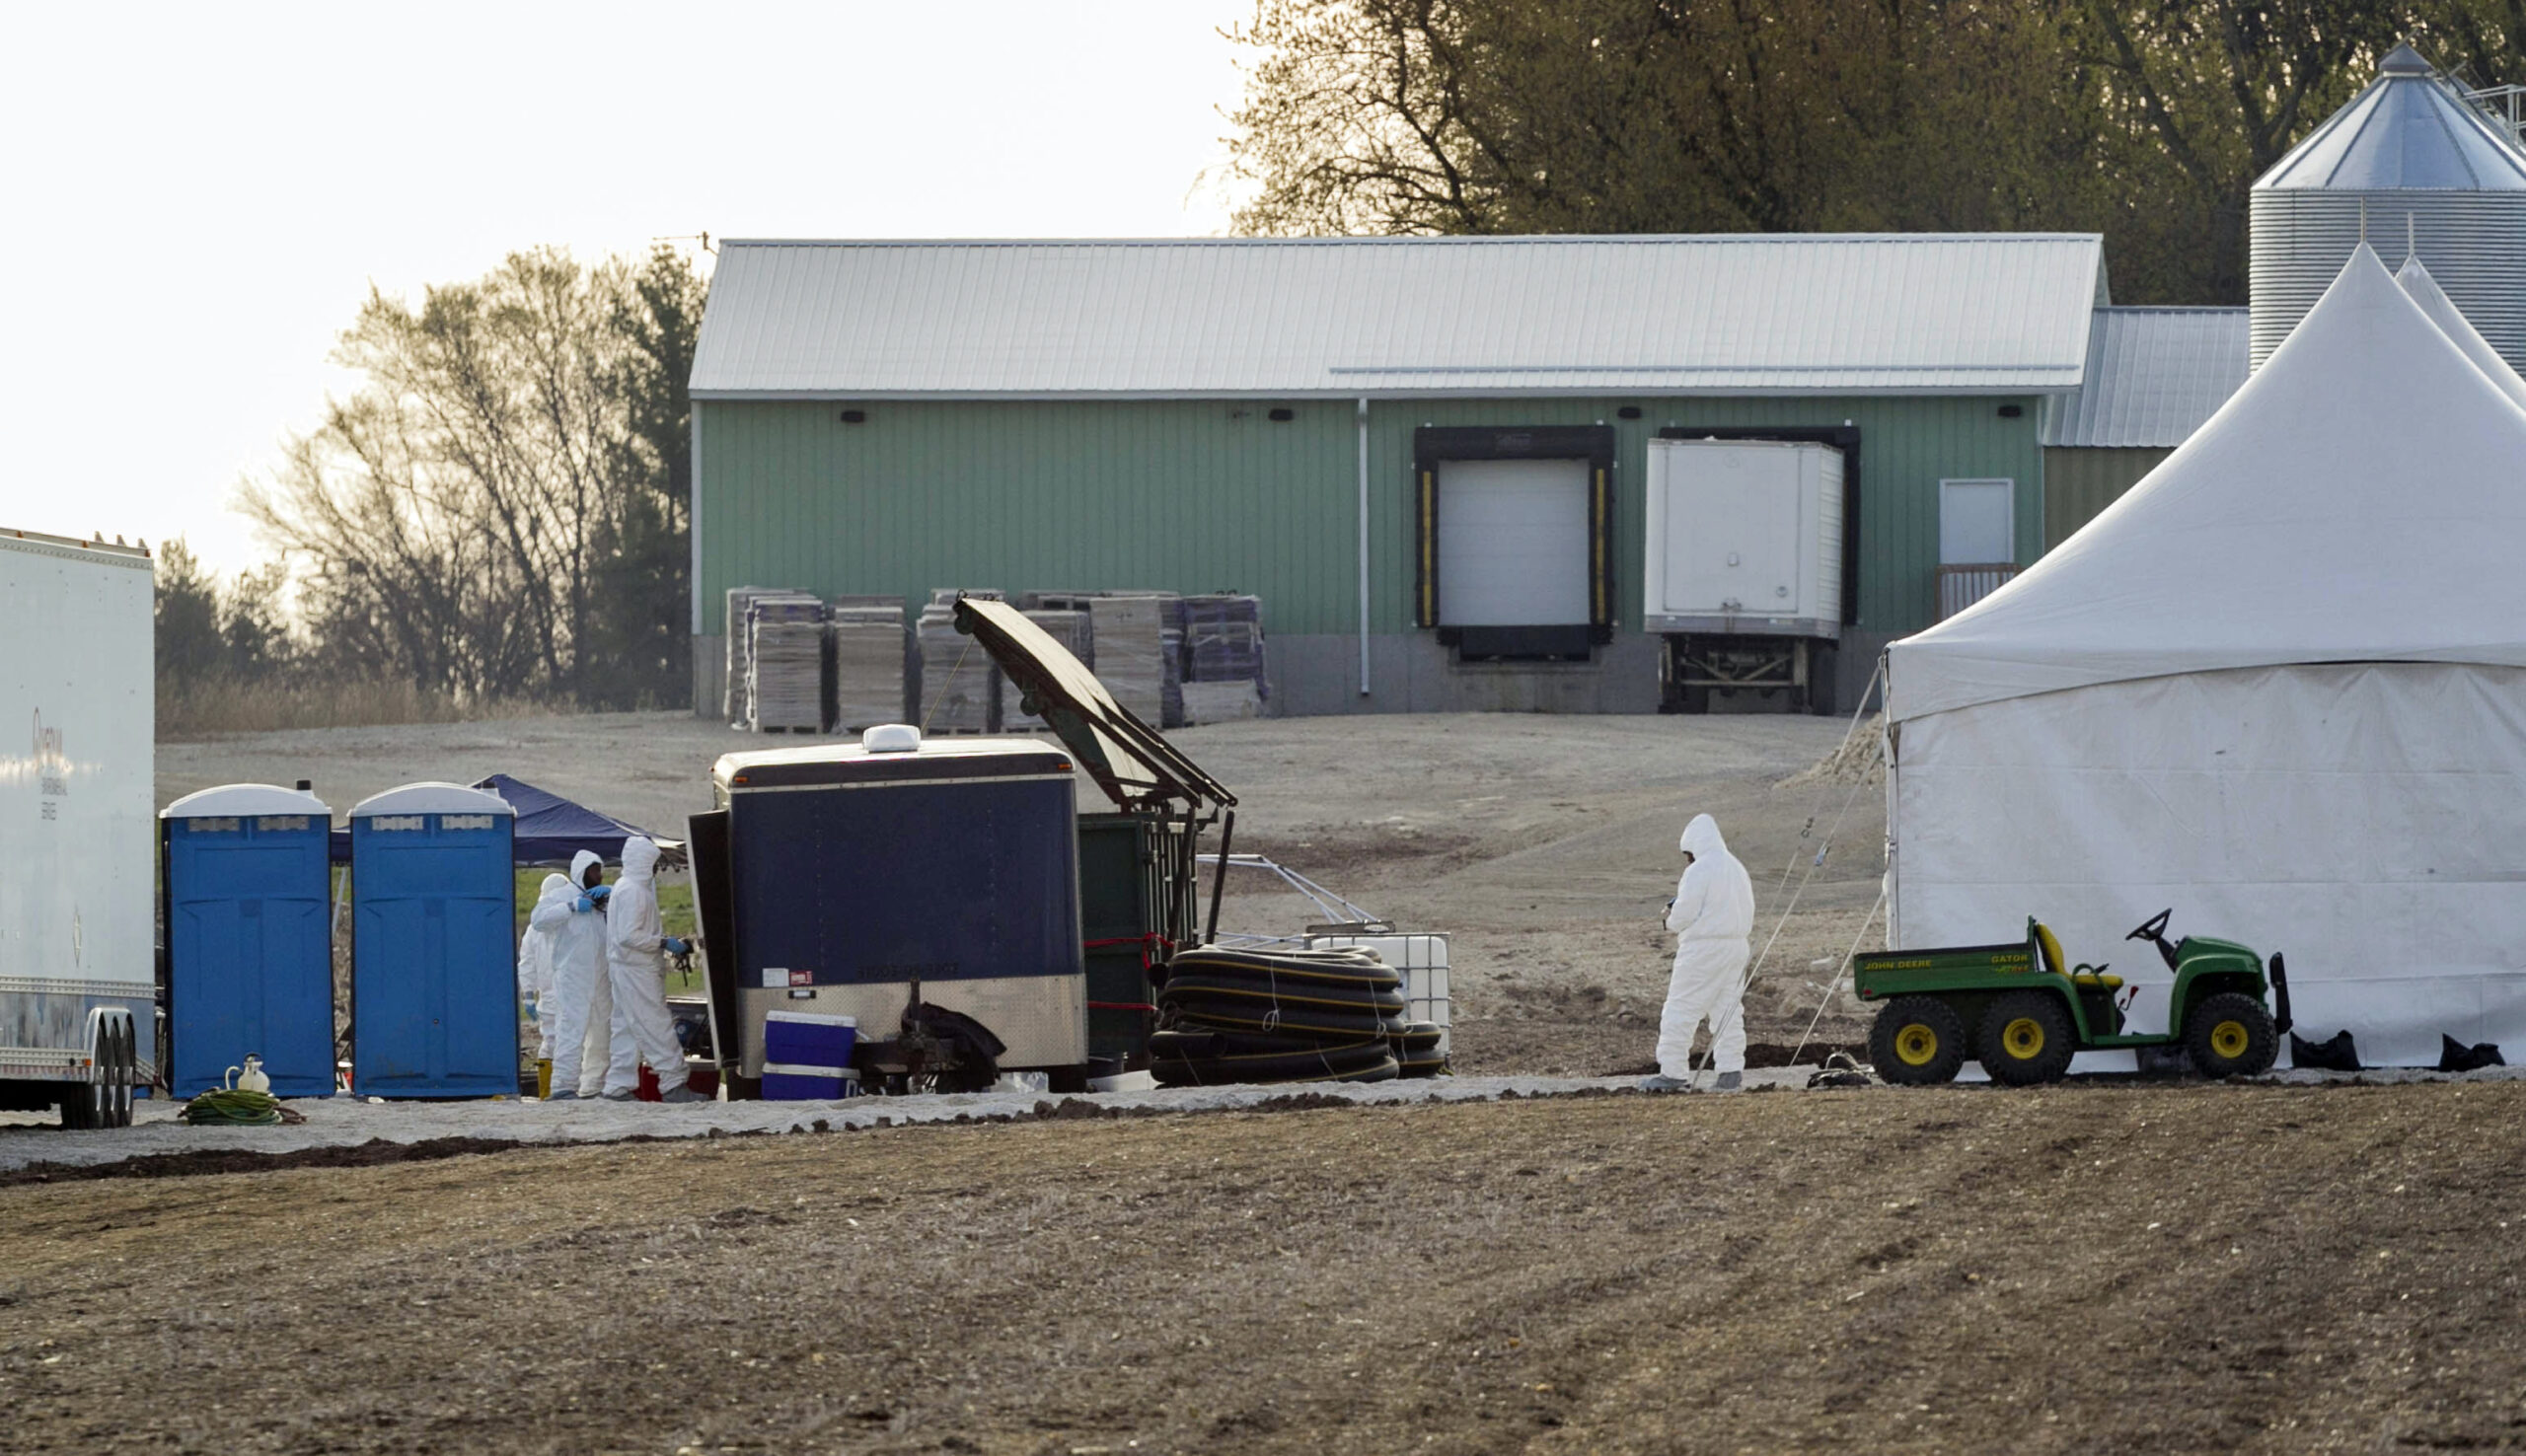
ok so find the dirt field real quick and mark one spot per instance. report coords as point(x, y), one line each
point(2098, 1267)
point(1544, 845)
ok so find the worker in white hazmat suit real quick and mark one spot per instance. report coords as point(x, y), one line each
point(535, 965)
point(1712, 916)
point(584, 1003)
point(635, 953)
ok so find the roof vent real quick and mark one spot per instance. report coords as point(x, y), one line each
point(2402, 60)
point(891, 738)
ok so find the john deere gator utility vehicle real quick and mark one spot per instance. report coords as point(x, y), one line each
point(2022, 1012)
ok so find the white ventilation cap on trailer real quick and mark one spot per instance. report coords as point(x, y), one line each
point(240, 800)
point(891, 738)
point(432, 798)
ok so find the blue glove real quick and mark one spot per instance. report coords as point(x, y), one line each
point(598, 892)
point(676, 946)
point(586, 904)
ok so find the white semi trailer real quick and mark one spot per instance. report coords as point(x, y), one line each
point(78, 931)
point(1745, 576)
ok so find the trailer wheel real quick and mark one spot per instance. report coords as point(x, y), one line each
point(1916, 1042)
point(2230, 1035)
point(127, 1073)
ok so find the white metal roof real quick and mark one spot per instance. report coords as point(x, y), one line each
point(2153, 376)
point(239, 800)
point(2409, 129)
point(1751, 315)
point(432, 798)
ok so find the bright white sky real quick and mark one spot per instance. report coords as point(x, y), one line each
point(201, 195)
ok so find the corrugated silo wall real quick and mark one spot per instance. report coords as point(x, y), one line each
point(1205, 496)
point(2472, 242)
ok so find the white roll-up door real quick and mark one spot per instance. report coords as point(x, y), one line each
point(1512, 543)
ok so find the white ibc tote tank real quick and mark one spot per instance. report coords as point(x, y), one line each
point(2410, 159)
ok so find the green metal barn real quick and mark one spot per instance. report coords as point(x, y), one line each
point(1406, 447)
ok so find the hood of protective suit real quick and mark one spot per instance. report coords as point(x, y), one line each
point(1701, 839)
point(579, 863)
point(556, 889)
point(640, 856)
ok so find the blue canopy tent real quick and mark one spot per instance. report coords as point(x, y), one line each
point(552, 829)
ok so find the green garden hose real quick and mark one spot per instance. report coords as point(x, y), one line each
point(232, 1107)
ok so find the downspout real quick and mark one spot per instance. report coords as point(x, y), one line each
point(1363, 546)
point(692, 525)
point(693, 575)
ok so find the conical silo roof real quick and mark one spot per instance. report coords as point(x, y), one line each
point(2408, 130)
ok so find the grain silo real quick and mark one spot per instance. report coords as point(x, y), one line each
point(2409, 158)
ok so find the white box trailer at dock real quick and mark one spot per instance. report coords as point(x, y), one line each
point(78, 918)
point(1744, 572)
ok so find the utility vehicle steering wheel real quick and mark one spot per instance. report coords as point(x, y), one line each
point(2155, 928)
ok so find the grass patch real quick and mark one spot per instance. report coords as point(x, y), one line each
point(211, 710)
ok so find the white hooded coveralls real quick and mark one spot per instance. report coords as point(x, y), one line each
point(534, 964)
point(583, 1006)
point(1712, 918)
point(635, 953)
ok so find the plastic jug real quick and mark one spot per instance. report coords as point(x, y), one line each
point(249, 1078)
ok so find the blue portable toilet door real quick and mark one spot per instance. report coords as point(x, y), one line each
point(249, 952)
point(434, 969)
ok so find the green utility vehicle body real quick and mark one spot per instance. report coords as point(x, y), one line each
point(1993, 991)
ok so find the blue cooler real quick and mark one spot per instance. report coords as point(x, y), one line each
point(808, 1038)
point(787, 1083)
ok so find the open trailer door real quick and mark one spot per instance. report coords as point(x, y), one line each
point(1137, 866)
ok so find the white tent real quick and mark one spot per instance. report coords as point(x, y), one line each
point(2280, 685)
point(2459, 331)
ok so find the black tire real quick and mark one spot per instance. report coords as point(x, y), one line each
point(1917, 1042)
point(2027, 1038)
point(2230, 1035)
point(127, 1074)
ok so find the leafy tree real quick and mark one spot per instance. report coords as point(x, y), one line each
point(2147, 120)
point(497, 511)
point(186, 616)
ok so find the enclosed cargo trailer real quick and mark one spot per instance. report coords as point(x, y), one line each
point(78, 1024)
point(1744, 569)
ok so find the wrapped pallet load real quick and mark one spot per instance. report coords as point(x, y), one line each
point(1224, 680)
point(733, 633)
point(784, 664)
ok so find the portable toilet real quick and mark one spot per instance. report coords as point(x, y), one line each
point(245, 877)
point(433, 949)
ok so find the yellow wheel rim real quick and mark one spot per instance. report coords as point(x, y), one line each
point(2229, 1039)
point(1916, 1043)
point(2023, 1039)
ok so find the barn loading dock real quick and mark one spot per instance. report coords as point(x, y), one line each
point(1428, 457)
